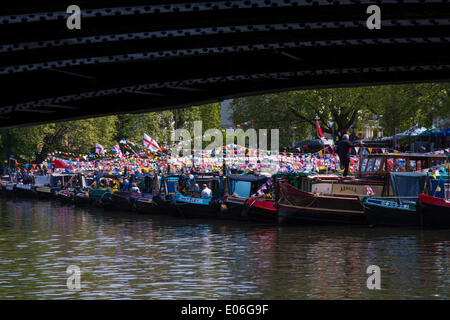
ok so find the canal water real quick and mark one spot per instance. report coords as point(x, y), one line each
point(124, 255)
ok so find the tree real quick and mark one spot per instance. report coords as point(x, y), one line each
point(396, 106)
point(403, 106)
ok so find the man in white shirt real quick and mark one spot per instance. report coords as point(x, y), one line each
point(206, 192)
point(135, 188)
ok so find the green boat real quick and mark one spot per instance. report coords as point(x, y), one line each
point(399, 210)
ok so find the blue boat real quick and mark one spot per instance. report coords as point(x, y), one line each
point(154, 201)
point(188, 202)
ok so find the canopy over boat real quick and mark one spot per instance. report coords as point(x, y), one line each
point(407, 186)
point(248, 178)
point(41, 180)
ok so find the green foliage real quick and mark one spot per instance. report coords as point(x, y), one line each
point(33, 144)
point(295, 112)
point(402, 106)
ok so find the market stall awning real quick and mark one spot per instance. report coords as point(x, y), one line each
point(442, 133)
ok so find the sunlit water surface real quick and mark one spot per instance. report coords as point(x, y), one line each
point(124, 255)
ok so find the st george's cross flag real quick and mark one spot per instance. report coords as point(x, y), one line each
point(99, 148)
point(151, 144)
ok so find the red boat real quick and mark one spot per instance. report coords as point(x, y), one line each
point(299, 207)
point(260, 210)
point(434, 211)
point(241, 202)
point(331, 199)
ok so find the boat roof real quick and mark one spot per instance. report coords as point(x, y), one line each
point(249, 178)
point(408, 155)
point(408, 184)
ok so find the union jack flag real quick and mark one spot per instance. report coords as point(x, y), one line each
point(117, 151)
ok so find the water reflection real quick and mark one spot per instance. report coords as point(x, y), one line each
point(130, 256)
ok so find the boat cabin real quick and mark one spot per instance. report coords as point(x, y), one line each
point(382, 164)
point(243, 186)
point(191, 185)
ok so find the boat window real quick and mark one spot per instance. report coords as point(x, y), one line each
point(241, 188)
point(370, 164)
point(377, 164)
point(364, 165)
point(412, 165)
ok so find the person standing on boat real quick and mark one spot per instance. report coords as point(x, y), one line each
point(206, 192)
point(343, 152)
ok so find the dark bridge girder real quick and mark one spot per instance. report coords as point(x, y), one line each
point(152, 55)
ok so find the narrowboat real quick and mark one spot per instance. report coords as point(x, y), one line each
point(433, 205)
point(333, 199)
point(157, 196)
point(249, 197)
point(48, 186)
point(24, 190)
point(400, 209)
point(188, 202)
point(4, 180)
point(124, 198)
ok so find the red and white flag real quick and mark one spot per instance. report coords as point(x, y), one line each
point(319, 129)
point(99, 148)
point(369, 191)
point(151, 144)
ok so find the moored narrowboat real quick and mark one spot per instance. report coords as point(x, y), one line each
point(433, 204)
point(188, 201)
point(399, 210)
point(238, 189)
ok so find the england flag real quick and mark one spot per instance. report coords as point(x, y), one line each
point(151, 144)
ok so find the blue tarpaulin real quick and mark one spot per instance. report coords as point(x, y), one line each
point(442, 133)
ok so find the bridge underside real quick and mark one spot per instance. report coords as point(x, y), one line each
point(141, 56)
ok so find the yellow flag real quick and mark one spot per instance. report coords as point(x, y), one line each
point(434, 175)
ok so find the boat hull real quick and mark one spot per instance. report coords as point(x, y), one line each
point(82, 199)
point(435, 212)
point(261, 211)
point(381, 212)
point(24, 191)
point(46, 192)
point(232, 208)
point(65, 196)
point(298, 207)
